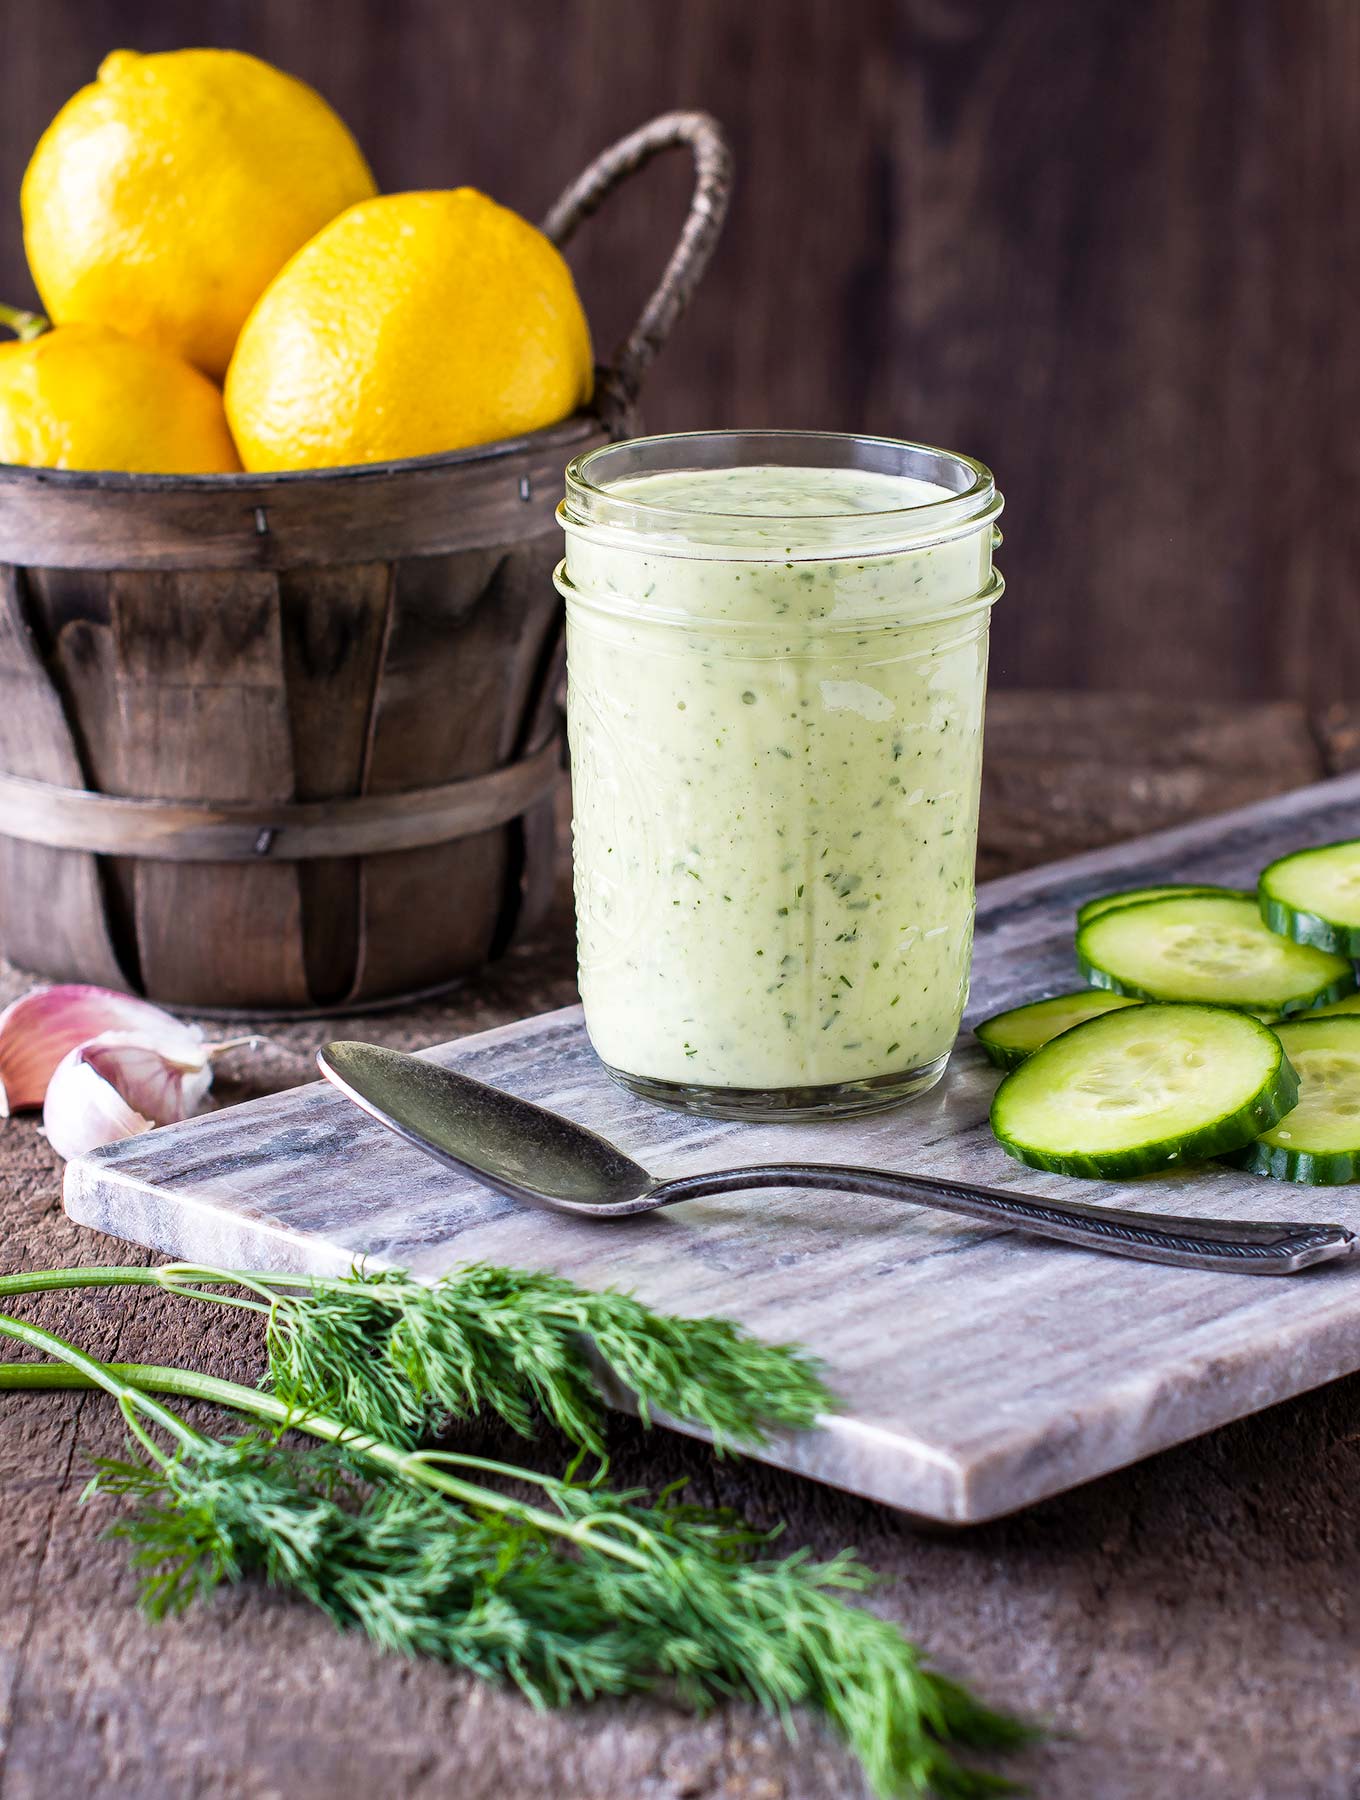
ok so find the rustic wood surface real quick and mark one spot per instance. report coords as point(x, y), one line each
point(1189, 1627)
point(1110, 249)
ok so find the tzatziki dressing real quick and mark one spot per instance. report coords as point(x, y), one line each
point(776, 762)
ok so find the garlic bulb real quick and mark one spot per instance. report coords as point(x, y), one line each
point(43, 1027)
point(116, 1086)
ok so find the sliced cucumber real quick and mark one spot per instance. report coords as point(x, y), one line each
point(1104, 903)
point(1146, 1088)
point(1319, 1142)
point(1211, 948)
point(1334, 1008)
point(1009, 1037)
point(1313, 897)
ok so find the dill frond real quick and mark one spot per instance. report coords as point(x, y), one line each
point(692, 1603)
point(398, 1357)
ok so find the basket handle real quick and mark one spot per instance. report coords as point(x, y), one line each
point(619, 383)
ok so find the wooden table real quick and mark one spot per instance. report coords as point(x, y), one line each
point(1189, 1627)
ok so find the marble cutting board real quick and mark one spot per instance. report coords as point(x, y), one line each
point(979, 1370)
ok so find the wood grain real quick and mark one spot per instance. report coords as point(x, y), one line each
point(333, 623)
point(202, 705)
point(427, 911)
point(56, 913)
point(1066, 772)
point(343, 827)
point(1109, 249)
point(1168, 1621)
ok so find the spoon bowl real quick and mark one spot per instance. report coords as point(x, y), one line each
point(507, 1143)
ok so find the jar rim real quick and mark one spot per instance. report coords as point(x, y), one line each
point(593, 500)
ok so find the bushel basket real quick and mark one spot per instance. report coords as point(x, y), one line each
point(291, 741)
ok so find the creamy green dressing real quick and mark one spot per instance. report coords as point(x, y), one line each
point(775, 777)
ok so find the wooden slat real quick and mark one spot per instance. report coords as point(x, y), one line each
point(74, 610)
point(428, 914)
point(467, 635)
point(222, 689)
point(52, 916)
point(334, 623)
point(199, 690)
point(537, 831)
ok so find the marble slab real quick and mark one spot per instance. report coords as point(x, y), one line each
point(979, 1370)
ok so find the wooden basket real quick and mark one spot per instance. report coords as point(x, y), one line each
point(291, 741)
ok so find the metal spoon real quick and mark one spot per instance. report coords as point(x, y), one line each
point(538, 1156)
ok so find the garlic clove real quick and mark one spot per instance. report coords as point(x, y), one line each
point(116, 1086)
point(38, 1030)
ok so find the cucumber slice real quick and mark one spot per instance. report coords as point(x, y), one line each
point(1104, 903)
point(1313, 897)
point(1147, 1088)
point(1009, 1037)
point(1211, 948)
point(1334, 1008)
point(1319, 1142)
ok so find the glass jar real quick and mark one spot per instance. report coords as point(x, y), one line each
point(776, 661)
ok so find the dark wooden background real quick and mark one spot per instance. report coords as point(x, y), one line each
point(1112, 249)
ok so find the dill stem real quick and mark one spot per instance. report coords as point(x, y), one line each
point(165, 1275)
point(132, 1384)
point(41, 1281)
point(98, 1374)
point(173, 1278)
point(168, 1276)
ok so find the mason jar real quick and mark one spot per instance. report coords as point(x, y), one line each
point(776, 662)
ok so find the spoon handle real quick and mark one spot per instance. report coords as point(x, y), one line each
point(1243, 1246)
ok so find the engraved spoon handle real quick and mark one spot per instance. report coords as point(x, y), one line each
point(1243, 1246)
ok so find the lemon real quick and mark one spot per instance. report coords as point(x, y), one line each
point(164, 197)
point(86, 397)
point(413, 323)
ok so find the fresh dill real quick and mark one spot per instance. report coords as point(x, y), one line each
point(699, 1608)
point(398, 1357)
point(577, 1593)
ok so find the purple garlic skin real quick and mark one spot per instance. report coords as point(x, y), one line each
point(42, 1027)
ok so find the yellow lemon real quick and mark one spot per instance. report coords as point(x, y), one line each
point(411, 324)
point(85, 397)
point(164, 197)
